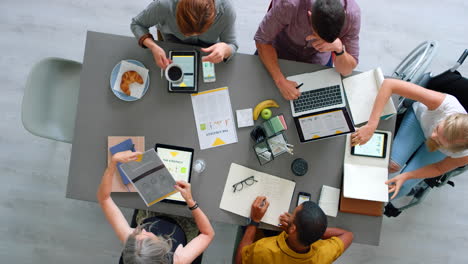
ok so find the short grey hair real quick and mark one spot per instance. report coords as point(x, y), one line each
point(147, 250)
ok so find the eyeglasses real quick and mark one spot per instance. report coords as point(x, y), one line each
point(240, 185)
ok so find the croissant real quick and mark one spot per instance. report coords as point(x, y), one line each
point(129, 78)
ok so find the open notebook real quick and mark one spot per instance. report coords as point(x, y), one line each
point(278, 191)
point(361, 91)
point(364, 177)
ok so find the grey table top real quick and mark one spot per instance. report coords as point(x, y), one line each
point(168, 118)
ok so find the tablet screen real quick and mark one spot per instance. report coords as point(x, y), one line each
point(178, 162)
point(187, 63)
point(375, 147)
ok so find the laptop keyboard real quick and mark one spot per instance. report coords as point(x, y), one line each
point(315, 99)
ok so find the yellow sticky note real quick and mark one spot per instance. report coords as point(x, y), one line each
point(139, 158)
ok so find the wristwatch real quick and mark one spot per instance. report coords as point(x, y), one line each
point(252, 222)
point(340, 53)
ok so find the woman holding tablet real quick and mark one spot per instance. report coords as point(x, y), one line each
point(436, 119)
point(207, 23)
point(158, 240)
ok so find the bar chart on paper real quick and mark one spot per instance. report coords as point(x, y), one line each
point(214, 118)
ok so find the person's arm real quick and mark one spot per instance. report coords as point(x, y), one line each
point(140, 25)
point(113, 214)
point(430, 98)
point(275, 20)
point(269, 58)
point(195, 247)
point(258, 210)
point(227, 45)
point(429, 171)
point(344, 63)
point(345, 236)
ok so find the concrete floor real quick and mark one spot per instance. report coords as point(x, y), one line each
point(37, 223)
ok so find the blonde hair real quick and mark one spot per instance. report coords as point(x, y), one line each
point(148, 250)
point(455, 131)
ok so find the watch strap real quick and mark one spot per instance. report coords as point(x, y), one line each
point(340, 53)
point(252, 223)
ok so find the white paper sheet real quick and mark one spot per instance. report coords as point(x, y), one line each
point(244, 117)
point(279, 193)
point(329, 200)
point(213, 118)
point(136, 89)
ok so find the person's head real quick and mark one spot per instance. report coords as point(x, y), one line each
point(143, 247)
point(327, 19)
point(450, 134)
point(308, 223)
point(194, 17)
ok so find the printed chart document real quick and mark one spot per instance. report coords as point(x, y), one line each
point(361, 90)
point(278, 191)
point(213, 118)
point(321, 125)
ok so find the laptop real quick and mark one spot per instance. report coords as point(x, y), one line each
point(320, 112)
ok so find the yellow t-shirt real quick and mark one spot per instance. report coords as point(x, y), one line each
point(273, 250)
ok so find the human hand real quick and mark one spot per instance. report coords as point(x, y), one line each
point(285, 221)
point(159, 56)
point(259, 208)
point(362, 135)
point(322, 46)
point(218, 52)
point(186, 192)
point(395, 184)
point(125, 156)
point(288, 89)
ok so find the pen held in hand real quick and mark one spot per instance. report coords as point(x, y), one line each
point(299, 86)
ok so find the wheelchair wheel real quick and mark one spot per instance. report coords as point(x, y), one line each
point(416, 63)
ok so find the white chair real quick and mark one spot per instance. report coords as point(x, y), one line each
point(50, 99)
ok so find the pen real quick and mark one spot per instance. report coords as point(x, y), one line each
point(299, 86)
point(263, 203)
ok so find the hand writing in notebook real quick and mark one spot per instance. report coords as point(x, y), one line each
point(259, 208)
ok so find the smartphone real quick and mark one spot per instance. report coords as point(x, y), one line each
point(302, 197)
point(208, 72)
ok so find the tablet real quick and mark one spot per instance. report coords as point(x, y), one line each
point(188, 61)
point(324, 124)
point(178, 160)
point(376, 147)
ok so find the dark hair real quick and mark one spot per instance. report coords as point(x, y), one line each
point(195, 16)
point(310, 223)
point(328, 17)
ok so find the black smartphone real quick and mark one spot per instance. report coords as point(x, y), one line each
point(302, 197)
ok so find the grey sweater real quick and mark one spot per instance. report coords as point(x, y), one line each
point(162, 15)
